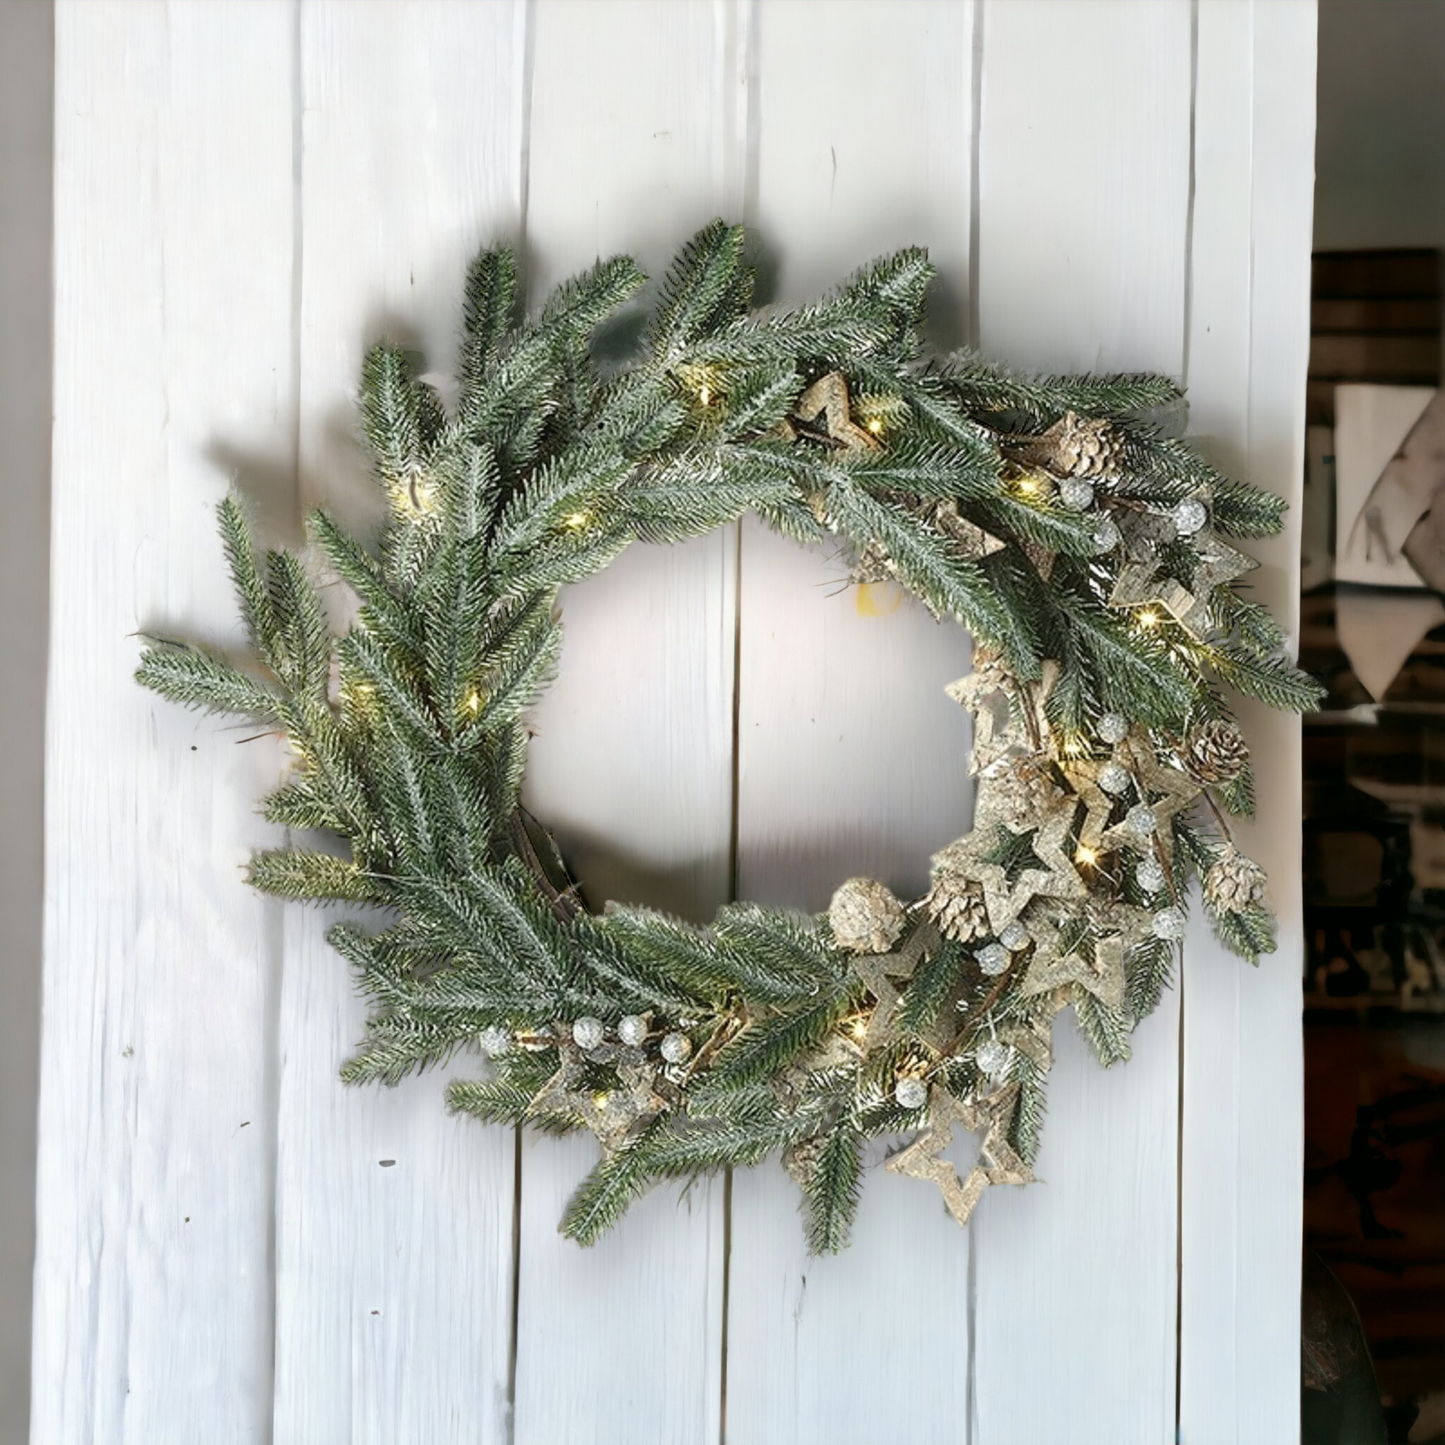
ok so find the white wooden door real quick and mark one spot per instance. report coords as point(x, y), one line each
point(234, 1248)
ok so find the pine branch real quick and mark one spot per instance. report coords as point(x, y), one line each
point(830, 1195)
point(314, 877)
point(193, 678)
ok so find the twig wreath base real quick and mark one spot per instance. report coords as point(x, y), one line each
point(1089, 552)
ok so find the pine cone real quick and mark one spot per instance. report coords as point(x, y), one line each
point(1077, 446)
point(1215, 752)
point(956, 905)
point(1236, 883)
point(865, 916)
point(1025, 791)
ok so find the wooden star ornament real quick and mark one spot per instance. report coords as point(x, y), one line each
point(824, 415)
point(1167, 790)
point(879, 970)
point(613, 1115)
point(1017, 865)
point(998, 1161)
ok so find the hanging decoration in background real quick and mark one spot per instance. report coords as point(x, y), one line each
point(1081, 546)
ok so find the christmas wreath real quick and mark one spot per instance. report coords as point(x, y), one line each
point(1087, 550)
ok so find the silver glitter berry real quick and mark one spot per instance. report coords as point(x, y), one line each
point(1113, 727)
point(676, 1048)
point(1106, 536)
point(588, 1033)
point(1149, 876)
point(992, 959)
point(993, 1058)
point(496, 1041)
point(1114, 779)
point(1189, 517)
point(1141, 820)
point(632, 1030)
point(1076, 494)
point(1169, 923)
point(910, 1093)
point(1014, 937)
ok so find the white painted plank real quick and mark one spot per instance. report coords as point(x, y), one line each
point(1083, 198)
point(172, 346)
point(1242, 1131)
point(394, 1225)
point(852, 761)
point(27, 105)
point(637, 140)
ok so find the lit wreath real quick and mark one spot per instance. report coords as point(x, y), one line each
point(1083, 547)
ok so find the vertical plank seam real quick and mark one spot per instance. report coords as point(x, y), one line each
point(975, 151)
point(1238, 1028)
point(745, 133)
point(515, 1304)
point(1182, 1041)
point(524, 17)
point(271, 1081)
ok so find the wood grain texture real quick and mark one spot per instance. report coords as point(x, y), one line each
point(637, 139)
point(394, 1220)
point(246, 195)
point(172, 323)
point(27, 108)
point(851, 759)
point(1242, 1130)
point(1083, 197)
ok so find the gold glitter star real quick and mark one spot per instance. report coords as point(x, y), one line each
point(878, 971)
point(1102, 975)
point(1167, 790)
point(1015, 866)
point(611, 1114)
point(998, 1162)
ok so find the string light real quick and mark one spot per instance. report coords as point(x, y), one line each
point(420, 496)
point(704, 393)
point(1148, 619)
point(474, 702)
point(1029, 485)
point(875, 425)
point(577, 520)
point(1087, 856)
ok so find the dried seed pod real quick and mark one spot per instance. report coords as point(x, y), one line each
point(865, 916)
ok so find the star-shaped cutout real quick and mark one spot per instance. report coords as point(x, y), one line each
point(998, 1161)
point(1015, 866)
point(823, 415)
